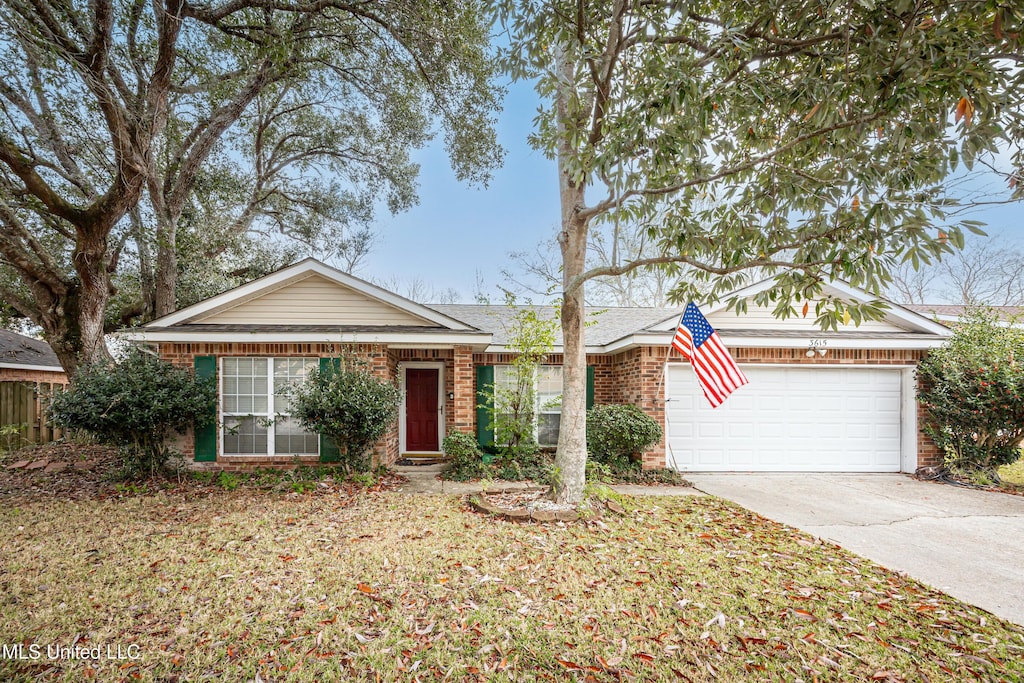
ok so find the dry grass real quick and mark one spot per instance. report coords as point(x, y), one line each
point(1013, 474)
point(235, 585)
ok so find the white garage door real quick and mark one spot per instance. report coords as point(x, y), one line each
point(788, 419)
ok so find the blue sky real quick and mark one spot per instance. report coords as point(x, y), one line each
point(457, 229)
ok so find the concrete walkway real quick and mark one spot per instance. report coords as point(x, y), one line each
point(967, 543)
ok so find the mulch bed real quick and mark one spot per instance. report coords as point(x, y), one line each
point(532, 505)
point(952, 479)
point(62, 470)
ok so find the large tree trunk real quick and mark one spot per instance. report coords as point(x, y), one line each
point(166, 279)
point(571, 458)
point(74, 317)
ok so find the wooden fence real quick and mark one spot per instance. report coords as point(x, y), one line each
point(23, 418)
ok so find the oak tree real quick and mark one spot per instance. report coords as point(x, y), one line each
point(109, 108)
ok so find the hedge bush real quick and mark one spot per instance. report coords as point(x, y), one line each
point(135, 405)
point(973, 394)
point(616, 433)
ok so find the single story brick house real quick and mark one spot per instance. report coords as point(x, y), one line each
point(25, 359)
point(817, 401)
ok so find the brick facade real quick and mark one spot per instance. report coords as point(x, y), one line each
point(635, 376)
point(381, 360)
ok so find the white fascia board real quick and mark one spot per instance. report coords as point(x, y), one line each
point(396, 339)
point(307, 266)
point(590, 350)
point(35, 368)
point(804, 342)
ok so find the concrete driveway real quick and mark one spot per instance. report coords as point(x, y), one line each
point(967, 543)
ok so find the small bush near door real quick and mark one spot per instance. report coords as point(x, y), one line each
point(526, 462)
point(350, 405)
point(973, 395)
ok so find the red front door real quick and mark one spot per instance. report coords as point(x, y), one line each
point(421, 409)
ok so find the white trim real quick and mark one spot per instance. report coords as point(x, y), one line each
point(438, 340)
point(801, 342)
point(296, 271)
point(271, 433)
point(34, 368)
point(908, 422)
point(439, 366)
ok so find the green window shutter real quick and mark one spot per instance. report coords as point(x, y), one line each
point(485, 399)
point(329, 451)
point(205, 437)
point(590, 387)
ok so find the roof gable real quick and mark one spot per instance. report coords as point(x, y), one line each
point(309, 292)
point(897, 319)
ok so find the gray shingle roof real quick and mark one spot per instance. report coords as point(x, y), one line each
point(605, 324)
point(17, 349)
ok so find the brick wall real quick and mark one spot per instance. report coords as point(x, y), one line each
point(34, 376)
point(381, 360)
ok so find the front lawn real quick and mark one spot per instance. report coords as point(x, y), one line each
point(235, 585)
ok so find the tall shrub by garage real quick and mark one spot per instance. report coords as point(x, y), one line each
point(617, 434)
point(973, 394)
point(135, 404)
point(350, 405)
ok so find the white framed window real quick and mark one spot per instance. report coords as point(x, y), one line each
point(547, 400)
point(256, 409)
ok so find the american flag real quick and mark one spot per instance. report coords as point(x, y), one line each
point(716, 371)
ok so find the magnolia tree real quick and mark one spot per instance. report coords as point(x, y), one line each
point(808, 140)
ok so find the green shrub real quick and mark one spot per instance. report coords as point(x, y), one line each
point(135, 405)
point(618, 433)
point(350, 405)
point(973, 395)
point(465, 457)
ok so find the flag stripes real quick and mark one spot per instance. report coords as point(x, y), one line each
point(698, 342)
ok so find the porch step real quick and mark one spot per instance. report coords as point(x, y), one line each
point(433, 468)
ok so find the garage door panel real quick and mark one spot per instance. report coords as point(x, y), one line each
point(789, 419)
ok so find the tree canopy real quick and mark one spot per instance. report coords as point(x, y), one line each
point(128, 128)
point(803, 139)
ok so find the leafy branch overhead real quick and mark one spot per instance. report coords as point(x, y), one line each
point(796, 135)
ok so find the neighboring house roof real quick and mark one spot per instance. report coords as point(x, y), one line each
point(952, 313)
point(26, 353)
point(312, 302)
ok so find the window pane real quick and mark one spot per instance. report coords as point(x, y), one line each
point(291, 439)
point(547, 428)
point(230, 404)
point(244, 436)
point(549, 388)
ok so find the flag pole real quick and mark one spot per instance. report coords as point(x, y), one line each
point(664, 402)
